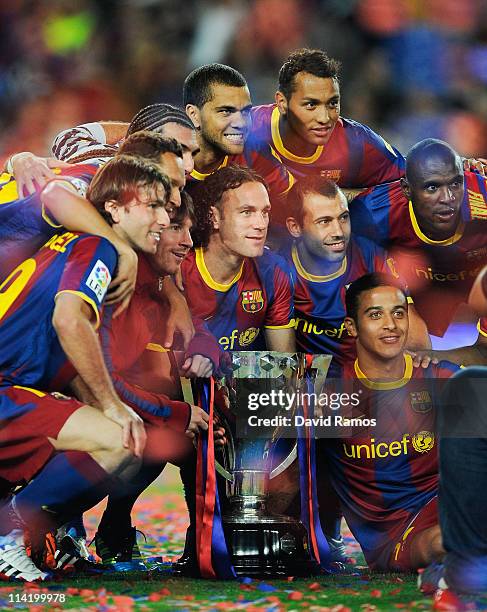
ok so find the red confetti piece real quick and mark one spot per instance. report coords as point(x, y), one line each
point(376, 593)
point(295, 595)
point(314, 586)
point(395, 591)
point(446, 601)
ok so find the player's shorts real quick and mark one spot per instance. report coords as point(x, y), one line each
point(27, 419)
point(426, 518)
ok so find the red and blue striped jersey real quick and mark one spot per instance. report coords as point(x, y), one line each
point(385, 474)
point(355, 156)
point(24, 224)
point(30, 352)
point(265, 162)
point(319, 301)
point(436, 271)
point(260, 296)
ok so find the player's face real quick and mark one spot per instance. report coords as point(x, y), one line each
point(313, 109)
point(173, 168)
point(141, 220)
point(382, 322)
point(173, 247)
point(436, 194)
point(187, 139)
point(225, 119)
point(325, 231)
point(242, 224)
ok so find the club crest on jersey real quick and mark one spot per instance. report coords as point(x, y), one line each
point(421, 401)
point(332, 175)
point(253, 300)
point(423, 441)
point(99, 279)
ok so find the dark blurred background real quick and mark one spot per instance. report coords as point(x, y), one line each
point(410, 68)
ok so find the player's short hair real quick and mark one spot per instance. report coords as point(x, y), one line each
point(302, 187)
point(427, 148)
point(313, 61)
point(119, 179)
point(150, 145)
point(155, 116)
point(197, 85)
point(366, 283)
point(210, 192)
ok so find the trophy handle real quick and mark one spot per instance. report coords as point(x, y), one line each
point(279, 469)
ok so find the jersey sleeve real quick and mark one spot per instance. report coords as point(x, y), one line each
point(370, 213)
point(124, 343)
point(86, 138)
point(381, 163)
point(89, 270)
point(280, 311)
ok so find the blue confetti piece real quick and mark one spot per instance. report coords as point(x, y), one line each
point(266, 587)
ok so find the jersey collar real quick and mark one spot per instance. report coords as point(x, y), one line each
point(281, 149)
point(200, 176)
point(313, 277)
point(417, 230)
point(392, 384)
point(206, 276)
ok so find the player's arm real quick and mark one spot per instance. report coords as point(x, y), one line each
point(203, 355)
point(418, 337)
point(281, 340)
point(478, 294)
point(95, 137)
point(66, 208)
point(179, 318)
point(74, 321)
point(279, 325)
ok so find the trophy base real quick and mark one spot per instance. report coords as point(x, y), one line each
point(271, 546)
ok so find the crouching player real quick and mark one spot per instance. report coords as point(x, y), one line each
point(70, 453)
point(386, 475)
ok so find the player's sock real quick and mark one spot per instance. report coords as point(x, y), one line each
point(119, 506)
point(71, 482)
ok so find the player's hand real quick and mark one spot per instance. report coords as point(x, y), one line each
point(178, 279)
point(422, 358)
point(197, 366)
point(179, 319)
point(123, 285)
point(133, 429)
point(198, 422)
point(32, 172)
point(219, 437)
point(478, 164)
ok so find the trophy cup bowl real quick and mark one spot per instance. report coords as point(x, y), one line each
point(260, 543)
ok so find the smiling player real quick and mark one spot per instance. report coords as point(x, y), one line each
point(387, 475)
point(433, 222)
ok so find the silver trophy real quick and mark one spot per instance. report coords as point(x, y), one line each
point(262, 543)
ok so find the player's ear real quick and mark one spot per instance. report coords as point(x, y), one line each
point(193, 113)
point(215, 217)
point(293, 227)
point(350, 327)
point(281, 102)
point(405, 188)
point(113, 208)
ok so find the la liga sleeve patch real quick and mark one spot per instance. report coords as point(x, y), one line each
point(99, 279)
